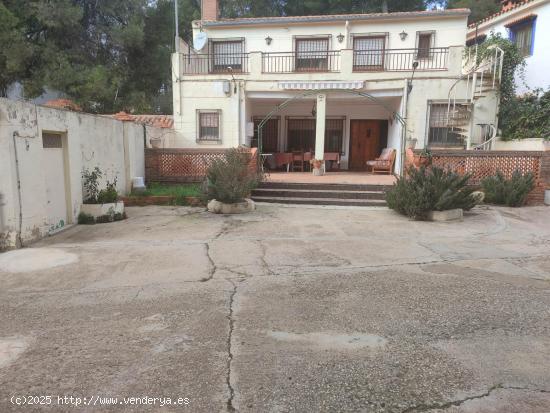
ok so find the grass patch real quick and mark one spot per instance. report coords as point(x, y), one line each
point(181, 190)
point(180, 193)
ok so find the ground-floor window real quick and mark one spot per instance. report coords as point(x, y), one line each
point(301, 134)
point(443, 129)
point(208, 126)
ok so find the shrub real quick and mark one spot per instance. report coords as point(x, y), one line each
point(91, 184)
point(85, 219)
point(430, 189)
point(511, 192)
point(103, 219)
point(109, 194)
point(230, 179)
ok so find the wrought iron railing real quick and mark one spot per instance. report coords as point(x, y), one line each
point(307, 61)
point(199, 64)
point(395, 60)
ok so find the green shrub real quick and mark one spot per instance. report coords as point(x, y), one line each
point(430, 189)
point(230, 179)
point(511, 192)
point(109, 194)
point(103, 219)
point(85, 219)
point(90, 182)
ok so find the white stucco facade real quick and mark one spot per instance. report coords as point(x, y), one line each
point(41, 184)
point(537, 71)
point(244, 95)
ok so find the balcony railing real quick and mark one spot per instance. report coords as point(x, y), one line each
point(199, 64)
point(295, 62)
point(395, 60)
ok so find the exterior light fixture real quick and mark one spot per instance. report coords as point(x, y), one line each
point(340, 38)
point(268, 40)
point(403, 35)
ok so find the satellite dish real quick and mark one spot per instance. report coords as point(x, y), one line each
point(200, 40)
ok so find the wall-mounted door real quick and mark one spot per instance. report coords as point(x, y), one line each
point(54, 171)
point(364, 142)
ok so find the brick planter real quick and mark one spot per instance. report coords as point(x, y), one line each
point(160, 200)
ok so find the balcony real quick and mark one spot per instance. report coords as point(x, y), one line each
point(309, 62)
point(202, 64)
point(345, 62)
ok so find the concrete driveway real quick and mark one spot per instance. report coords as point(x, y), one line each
point(283, 310)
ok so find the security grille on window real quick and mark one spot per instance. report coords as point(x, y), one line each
point(209, 126)
point(312, 54)
point(227, 54)
point(301, 134)
point(334, 134)
point(52, 140)
point(424, 41)
point(270, 135)
point(441, 132)
point(522, 35)
point(369, 52)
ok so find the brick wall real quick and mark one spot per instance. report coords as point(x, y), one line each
point(481, 164)
point(209, 10)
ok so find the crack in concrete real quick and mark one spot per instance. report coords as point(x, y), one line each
point(213, 267)
point(455, 403)
point(230, 399)
point(263, 260)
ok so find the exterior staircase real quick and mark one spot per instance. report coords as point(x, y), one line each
point(321, 194)
point(478, 79)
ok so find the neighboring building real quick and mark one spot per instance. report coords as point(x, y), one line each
point(249, 66)
point(527, 23)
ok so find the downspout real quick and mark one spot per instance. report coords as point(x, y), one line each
point(18, 238)
point(404, 128)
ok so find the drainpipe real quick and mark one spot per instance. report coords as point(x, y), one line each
point(18, 238)
point(404, 106)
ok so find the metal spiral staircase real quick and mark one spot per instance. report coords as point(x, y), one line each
point(479, 77)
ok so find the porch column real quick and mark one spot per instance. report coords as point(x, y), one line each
point(320, 129)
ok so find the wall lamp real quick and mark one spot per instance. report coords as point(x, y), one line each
point(340, 38)
point(403, 35)
point(268, 40)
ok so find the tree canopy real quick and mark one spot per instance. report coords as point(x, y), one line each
point(111, 55)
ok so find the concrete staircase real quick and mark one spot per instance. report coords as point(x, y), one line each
point(321, 194)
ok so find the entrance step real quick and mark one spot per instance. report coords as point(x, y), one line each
point(321, 194)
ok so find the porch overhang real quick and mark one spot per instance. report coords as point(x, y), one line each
point(322, 85)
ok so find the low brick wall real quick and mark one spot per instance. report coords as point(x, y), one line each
point(481, 164)
point(184, 165)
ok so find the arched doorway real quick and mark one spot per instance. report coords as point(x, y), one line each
point(394, 115)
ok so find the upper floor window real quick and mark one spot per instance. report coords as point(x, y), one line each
point(227, 55)
point(368, 51)
point(312, 53)
point(521, 33)
point(424, 42)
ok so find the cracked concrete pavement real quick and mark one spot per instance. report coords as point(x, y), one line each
point(284, 310)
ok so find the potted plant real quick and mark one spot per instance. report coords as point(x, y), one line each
point(100, 203)
point(229, 182)
point(317, 166)
point(425, 157)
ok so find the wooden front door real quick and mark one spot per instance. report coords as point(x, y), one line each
point(364, 143)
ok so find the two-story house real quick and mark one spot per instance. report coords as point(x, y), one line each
point(345, 84)
point(525, 23)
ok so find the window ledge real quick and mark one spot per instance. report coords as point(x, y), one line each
point(209, 141)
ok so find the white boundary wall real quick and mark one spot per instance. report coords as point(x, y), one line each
point(116, 147)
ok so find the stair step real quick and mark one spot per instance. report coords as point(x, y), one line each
point(323, 186)
point(320, 201)
point(318, 193)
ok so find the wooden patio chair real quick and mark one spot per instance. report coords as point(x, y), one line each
point(384, 163)
point(298, 160)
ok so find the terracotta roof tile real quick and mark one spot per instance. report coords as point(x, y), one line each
point(158, 121)
point(500, 12)
point(63, 104)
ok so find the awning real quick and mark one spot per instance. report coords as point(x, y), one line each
point(298, 85)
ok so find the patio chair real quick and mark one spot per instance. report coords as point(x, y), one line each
point(384, 163)
point(298, 160)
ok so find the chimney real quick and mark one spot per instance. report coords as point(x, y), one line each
point(209, 10)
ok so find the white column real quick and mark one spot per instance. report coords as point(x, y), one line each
point(320, 128)
point(176, 90)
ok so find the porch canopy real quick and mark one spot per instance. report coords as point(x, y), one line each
point(327, 122)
